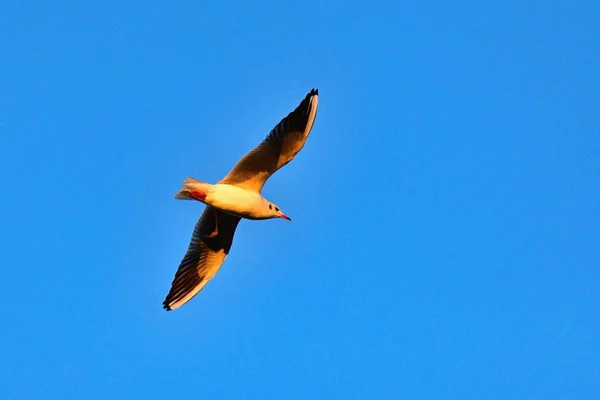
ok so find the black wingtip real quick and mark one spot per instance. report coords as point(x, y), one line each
point(307, 102)
point(166, 306)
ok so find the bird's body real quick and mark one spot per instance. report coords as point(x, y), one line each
point(240, 202)
point(236, 197)
point(231, 199)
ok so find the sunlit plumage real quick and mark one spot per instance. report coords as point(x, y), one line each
point(235, 197)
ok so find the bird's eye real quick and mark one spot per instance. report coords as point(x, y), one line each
point(276, 208)
point(270, 207)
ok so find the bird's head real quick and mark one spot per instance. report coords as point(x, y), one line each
point(275, 212)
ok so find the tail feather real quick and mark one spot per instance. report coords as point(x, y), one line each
point(191, 184)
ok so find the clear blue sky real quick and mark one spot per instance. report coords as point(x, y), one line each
point(446, 222)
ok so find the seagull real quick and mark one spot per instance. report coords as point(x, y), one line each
point(235, 197)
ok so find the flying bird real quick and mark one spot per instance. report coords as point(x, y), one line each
point(237, 196)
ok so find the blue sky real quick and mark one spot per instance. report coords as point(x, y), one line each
point(445, 230)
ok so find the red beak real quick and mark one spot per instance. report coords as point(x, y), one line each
point(285, 217)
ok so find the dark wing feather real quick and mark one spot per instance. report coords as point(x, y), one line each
point(210, 244)
point(280, 147)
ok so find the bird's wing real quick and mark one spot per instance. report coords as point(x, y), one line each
point(280, 147)
point(208, 248)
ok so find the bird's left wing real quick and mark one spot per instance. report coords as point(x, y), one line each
point(210, 244)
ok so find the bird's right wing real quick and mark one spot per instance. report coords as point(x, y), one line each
point(210, 244)
point(280, 147)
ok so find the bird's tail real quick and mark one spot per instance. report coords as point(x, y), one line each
point(192, 185)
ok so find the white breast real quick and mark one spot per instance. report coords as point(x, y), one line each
point(235, 200)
